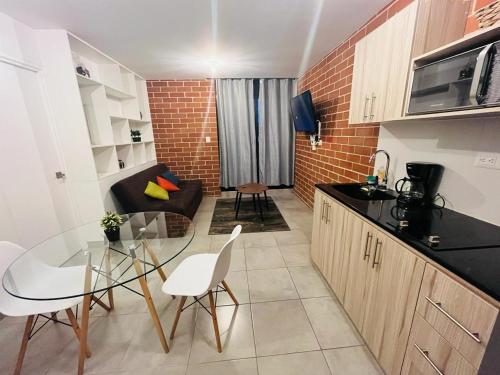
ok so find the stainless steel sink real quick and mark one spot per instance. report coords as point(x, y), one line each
point(355, 191)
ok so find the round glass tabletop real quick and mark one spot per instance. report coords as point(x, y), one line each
point(59, 267)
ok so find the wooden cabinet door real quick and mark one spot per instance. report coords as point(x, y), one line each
point(335, 273)
point(359, 101)
point(318, 216)
point(361, 241)
point(397, 59)
point(395, 275)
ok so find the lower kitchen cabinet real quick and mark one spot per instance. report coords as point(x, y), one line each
point(413, 322)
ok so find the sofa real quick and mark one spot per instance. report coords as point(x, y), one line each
point(130, 194)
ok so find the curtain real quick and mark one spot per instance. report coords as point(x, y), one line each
point(276, 132)
point(237, 136)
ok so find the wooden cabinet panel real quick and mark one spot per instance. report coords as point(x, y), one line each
point(426, 348)
point(359, 101)
point(453, 311)
point(392, 290)
point(357, 259)
point(439, 22)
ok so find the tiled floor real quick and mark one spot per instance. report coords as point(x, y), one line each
point(288, 321)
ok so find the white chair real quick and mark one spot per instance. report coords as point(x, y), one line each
point(197, 276)
point(41, 277)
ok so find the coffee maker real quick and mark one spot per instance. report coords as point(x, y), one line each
point(420, 187)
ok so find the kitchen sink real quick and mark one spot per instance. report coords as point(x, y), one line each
point(355, 191)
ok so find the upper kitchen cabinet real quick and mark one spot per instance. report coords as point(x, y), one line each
point(381, 64)
point(439, 22)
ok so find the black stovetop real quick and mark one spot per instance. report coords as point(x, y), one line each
point(467, 246)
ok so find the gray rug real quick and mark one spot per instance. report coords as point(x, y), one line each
point(223, 220)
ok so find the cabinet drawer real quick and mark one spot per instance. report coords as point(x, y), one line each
point(464, 319)
point(430, 354)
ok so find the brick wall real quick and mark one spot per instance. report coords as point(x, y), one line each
point(183, 114)
point(346, 148)
point(472, 21)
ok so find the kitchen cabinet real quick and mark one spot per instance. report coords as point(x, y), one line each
point(413, 317)
point(381, 65)
point(439, 22)
point(328, 241)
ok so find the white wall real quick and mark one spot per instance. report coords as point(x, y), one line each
point(454, 144)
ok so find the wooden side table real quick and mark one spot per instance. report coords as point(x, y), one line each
point(251, 188)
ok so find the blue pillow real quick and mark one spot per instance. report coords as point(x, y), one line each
point(171, 177)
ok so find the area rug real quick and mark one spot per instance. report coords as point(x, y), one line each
point(223, 220)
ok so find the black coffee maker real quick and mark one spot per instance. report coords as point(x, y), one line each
point(420, 187)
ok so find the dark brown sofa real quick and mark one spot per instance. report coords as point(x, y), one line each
point(130, 194)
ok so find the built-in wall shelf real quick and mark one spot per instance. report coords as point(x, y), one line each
point(115, 102)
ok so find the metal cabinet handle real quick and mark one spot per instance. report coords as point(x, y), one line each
point(365, 116)
point(328, 213)
point(372, 105)
point(323, 211)
point(376, 262)
point(437, 305)
point(425, 354)
point(369, 237)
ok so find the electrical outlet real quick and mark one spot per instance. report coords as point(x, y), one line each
point(208, 139)
point(487, 160)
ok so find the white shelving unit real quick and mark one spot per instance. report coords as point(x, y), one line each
point(115, 101)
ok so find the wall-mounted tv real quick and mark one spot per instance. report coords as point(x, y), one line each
point(303, 113)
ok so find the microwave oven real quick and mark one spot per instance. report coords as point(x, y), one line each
point(467, 80)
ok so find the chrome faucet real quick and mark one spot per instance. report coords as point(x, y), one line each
point(372, 158)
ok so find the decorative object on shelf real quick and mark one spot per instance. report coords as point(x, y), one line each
point(136, 135)
point(82, 70)
point(121, 163)
point(111, 224)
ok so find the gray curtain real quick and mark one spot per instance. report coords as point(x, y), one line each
point(237, 138)
point(276, 132)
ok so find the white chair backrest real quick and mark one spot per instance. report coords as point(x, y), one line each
point(224, 259)
point(8, 253)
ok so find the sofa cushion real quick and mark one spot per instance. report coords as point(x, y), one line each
point(166, 184)
point(156, 191)
point(168, 175)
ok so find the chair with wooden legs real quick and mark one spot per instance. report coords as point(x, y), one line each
point(34, 309)
point(198, 276)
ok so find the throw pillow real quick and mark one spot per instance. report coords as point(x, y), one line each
point(155, 191)
point(166, 184)
point(171, 177)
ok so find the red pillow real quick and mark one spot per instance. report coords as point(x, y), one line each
point(166, 184)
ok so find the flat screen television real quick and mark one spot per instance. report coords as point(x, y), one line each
point(303, 113)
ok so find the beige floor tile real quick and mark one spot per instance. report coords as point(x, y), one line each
point(145, 350)
point(109, 338)
point(332, 327)
point(296, 255)
point(238, 262)
point(235, 326)
point(352, 361)
point(259, 258)
point(293, 237)
point(219, 240)
point(271, 285)
point(258, 239)
point(235, 367)
point(46, 345)
point(308, 282)
point(282, 328)
point(313, 363)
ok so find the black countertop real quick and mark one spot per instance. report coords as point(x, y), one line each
point(470, 248)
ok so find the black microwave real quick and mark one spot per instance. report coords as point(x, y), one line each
point(464, 81)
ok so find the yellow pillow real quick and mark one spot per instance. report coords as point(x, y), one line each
point(155, 191)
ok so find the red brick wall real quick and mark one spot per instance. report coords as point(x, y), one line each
point(183, 114)
point(472, 22)
point(346, 148)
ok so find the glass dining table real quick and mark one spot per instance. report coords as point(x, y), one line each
point(148, 241)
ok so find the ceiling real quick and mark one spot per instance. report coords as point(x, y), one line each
point(179, 39)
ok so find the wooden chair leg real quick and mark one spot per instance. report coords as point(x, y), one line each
point(24, 344)
point(214, 320)
point(102, 304)
point(76, 328)
point(228, 290)
point(151, 306)
point(177, 316)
